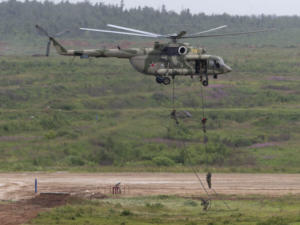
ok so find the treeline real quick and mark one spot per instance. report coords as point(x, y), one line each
point(19, 18)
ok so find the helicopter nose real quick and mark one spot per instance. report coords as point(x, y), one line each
point(227, 69)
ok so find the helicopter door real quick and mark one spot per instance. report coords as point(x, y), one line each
point(204, 66)
point(201, 66)
point(197, 66)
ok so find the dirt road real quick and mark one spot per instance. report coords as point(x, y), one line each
point(17, 186)
point(16, 213)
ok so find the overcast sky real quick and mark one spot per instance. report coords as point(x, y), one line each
point(235, 7)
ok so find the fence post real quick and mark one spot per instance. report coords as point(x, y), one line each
point(35, 186)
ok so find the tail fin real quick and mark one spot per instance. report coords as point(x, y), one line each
point(59, 48)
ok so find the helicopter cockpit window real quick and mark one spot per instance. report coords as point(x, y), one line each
point(216, 63)
point(221, 61)
point(170, 51)
point(211, 63)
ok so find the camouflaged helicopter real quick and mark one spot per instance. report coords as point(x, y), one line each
point(164, 60)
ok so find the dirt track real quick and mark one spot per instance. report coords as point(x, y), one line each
point(17, 186)
point(21, 212)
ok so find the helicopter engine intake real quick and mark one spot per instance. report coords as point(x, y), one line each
point(182, 50)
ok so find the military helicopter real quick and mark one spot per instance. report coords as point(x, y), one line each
point(164, 60)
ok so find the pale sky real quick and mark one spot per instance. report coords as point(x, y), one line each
point(235, 7)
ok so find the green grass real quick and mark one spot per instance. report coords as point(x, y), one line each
point(101, 115)
point(252, 210)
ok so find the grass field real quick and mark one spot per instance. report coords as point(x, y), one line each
point(251, 210)
point(101, 115)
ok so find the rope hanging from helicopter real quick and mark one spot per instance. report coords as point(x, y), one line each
point(205, 202)
point(204, 120)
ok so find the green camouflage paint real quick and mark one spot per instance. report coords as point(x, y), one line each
point(164, 59)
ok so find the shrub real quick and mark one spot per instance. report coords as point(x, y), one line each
point(66, 133)
point(238, 141)
point(154, 206)
point(53, 122)
point(126, 212)
point(76, 161)
point(50, 135)
point(163, 197)
point(191, 203)
point(163, 161)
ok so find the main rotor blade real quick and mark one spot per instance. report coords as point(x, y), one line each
point(62, 33)
point(133, 30)
point(42, 30)
point(210, 30)
point(227, 34)
point(118, 32)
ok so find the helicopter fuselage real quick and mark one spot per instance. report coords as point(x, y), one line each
point(177, 59)
point(164, 60)
point(169, 59)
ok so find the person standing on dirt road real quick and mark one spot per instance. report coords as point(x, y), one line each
point(208, 179)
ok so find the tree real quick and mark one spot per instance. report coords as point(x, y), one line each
point(122, 5)
point(163, 9)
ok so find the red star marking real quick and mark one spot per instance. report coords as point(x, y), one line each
point(152, 64)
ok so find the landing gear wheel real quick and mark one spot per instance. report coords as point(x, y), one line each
point(159, 79)
point(205, 83)
point(166, 80)
point(215, 76)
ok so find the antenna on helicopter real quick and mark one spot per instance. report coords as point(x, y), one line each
point(174, 37)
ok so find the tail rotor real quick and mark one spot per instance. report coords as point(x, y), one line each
point(42, 31)
point(48, 48)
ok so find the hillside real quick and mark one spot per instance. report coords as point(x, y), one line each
point(18, 35)
point(100, 114)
